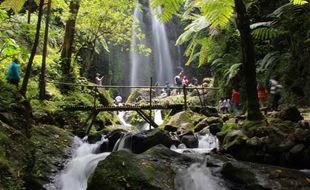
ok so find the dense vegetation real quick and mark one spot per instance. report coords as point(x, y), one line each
point(244, 42)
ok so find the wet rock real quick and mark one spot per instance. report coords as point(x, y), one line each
point(154, 169)
point(170, 128)
point(190, 141)
point(185, 120)
point(215, 128)
point(238, 174)
point(305, 124)
point(297, 149)
point(290, 114)
point(201, 125)
point(144, 140)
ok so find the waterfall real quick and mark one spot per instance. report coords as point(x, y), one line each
point(162, 57)
point(198, 177)
point(141, 65)
point(79, 168)
point(158, 118)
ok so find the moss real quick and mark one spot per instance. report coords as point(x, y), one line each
point(50, 143)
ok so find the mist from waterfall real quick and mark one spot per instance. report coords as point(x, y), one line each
point(161, 57)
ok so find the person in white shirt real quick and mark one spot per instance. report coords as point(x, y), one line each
point(98, 79)
point(118, 100)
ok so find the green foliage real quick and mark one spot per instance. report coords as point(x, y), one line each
point(299, 2)
point(15, 5)
point(169, 8)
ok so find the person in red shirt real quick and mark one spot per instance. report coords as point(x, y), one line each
point(235, 100)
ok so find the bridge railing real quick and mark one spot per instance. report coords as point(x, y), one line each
point(201, 91)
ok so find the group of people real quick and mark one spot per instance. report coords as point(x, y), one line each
point(227, 105)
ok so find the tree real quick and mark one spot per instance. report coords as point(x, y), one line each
point(42, 82)
point(67, 49)
point(218, 13)
point(23, 89)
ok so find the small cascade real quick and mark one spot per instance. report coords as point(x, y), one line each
point(158, 118)
point(121, 142)
point(79, 167)
point(121, 117)
point(198, 177)
point(206, 143)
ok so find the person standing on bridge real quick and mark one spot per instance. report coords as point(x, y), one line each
point(118, 100)
point(98, 79)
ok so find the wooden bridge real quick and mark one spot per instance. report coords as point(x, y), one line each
point(95, 109)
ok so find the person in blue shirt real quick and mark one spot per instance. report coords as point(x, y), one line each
point(13, 75)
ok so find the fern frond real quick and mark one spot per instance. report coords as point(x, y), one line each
point(267, 61)
point(218, 13)
point(169, 8)
point(199, 23)
point(232, 72)
point(266, 33)
point(298, 2)
point(15, 5)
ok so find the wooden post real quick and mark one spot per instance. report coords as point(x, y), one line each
point(151, 100)
point(95, 90)
point(185, 101)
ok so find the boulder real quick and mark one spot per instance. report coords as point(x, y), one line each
point(154, 169)
point(185, 120)
point(191, 141)
point(290, 114)
point(144, 140)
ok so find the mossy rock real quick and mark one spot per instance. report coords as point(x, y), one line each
point(16, 157)
point(50, 143)
point(155, 169)
point(185, 120)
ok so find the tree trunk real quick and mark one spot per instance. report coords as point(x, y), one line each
point(29, 11)
point(42, 82)
point(23, 89)
point(248, 62)
point(67, 50)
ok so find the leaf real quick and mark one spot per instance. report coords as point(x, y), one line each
point(298, 2)
point(15, 5)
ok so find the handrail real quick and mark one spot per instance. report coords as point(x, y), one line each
point(122, 86)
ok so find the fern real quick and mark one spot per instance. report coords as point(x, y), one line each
point(169, 8)
point(269, 60)
point(265, 33)
point(298, 2)
point(15, 5)
point(232, 72)
point(217, 12)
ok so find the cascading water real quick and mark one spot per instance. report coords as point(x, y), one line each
point(162, 57)
point(140, 64)
point(198, 177)
point(206, 143)
point(158, 118)
point(79, 168)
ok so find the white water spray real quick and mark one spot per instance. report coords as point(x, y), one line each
point(206, 143)
point(79, 168)
point(197, 177)
point(140, 64)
